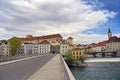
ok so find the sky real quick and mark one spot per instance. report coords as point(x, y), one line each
point(87, 21)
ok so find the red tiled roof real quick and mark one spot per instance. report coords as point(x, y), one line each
point(41, 37)
point(103, 43)
point(45, 42)
point(49, 36)
point(114, 39)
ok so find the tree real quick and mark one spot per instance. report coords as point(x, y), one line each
point(14, 45)
point(69, 58)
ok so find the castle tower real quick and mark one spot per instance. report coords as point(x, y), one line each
point(109, 33)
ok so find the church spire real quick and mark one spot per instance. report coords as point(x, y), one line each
point(109, 33)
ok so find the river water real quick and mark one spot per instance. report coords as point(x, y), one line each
point(97, 71)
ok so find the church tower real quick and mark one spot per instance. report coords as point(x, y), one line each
point(109, 33)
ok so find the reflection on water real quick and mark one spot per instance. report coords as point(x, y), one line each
point(97, 71)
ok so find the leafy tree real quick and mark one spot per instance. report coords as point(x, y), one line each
point(14, 45)
point(82, 58)
point(70, 59)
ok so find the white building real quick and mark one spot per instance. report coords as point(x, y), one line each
point(28, 48)
point(4, 50)
point(44, 47)
point(113, 46)
point(98, 48)
point(64, 48)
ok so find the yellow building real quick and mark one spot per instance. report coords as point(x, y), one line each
point(77, 53)
point(70, 40)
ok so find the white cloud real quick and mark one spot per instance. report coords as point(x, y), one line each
point(40, 17)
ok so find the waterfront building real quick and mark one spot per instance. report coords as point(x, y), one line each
point(113, 44)
point(44, 47)
point(99, 46)
point(77, 53)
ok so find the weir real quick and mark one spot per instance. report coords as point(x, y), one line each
point(103, 59)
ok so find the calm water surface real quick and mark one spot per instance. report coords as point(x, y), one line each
point(97, 71)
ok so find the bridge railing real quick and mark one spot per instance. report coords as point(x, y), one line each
point(67, 73)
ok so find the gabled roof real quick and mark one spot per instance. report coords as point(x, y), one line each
point(45, 42)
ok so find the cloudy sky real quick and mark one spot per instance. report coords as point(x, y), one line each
point(87, 21)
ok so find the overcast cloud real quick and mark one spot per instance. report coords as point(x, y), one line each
point(42, 17)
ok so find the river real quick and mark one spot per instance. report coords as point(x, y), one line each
point(97, 71)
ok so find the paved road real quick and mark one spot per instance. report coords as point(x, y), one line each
point(23, 69)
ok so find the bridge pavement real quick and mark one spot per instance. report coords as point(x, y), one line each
point(23, 69)
point(53, 70)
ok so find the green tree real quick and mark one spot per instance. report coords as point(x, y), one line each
point(69, 58)
point(14, 45)
point(82, 58)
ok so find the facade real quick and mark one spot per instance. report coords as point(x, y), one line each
point(113, 46)
point(64, 48)
point(4, 50)
point(44, 47)
point(101, 46)
point(77, 53)
point(35, 48)
point(28, 48)
point(70, 40)
point(55, 49)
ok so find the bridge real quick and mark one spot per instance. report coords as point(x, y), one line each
point(42, 67)
point(103, 54)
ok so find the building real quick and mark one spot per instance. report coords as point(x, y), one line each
point(44, 47)
point(64, 47)
point(113, 44)
point(77, 53)
point(35, 48)
point(99, 46)
point(4, 49)
point(55, 39)
point(55, 49)
point(70, 40)
point(28, 48)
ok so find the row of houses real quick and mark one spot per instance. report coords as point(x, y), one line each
point(40, 45)
point(112, 44)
